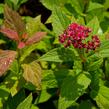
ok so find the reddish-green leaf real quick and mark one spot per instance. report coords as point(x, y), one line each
point(35, 38)
point(21, 45)
point(6, 58)
point(13, 20)
point(10, 33)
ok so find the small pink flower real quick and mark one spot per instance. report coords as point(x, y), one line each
point(75, 34)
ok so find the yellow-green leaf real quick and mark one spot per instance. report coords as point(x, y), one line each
point(101, 96)
point(33, 25)
point(32, 73)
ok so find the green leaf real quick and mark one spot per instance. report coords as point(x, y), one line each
point(54, 78)
point(94, 6)
point(13, 101)
point(78, 5)
point(26, 104)
point(14, 67)
point(45, 95)
point(101, 96)
point(104, 49)
point(105, 24)
point(104, 45)
point(107, 68)
point(15, 3)
point(19, 97)
point(1, 8)
point(92, 14)
point(51, 4)
point(2, 41)
point(14, 89)
point(85, 105)
point(95, 65)
point(42, 45)
point(93, 9)
point(104, 53)
point(12, 82)
point(72, 88)
point(106, 6)
point(33, 25)
point(21, 2)
point(34, 107)
point(4, 93)
point(27, 50)
point(94, 25)
point(59, 21)
point(77, 65)
point(32, 73)
point(59, 55)
point(30, 86)
point(95, 79)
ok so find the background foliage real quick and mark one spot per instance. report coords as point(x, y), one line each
point(40, 73)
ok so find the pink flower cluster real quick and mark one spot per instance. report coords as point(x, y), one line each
point(75, 34)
